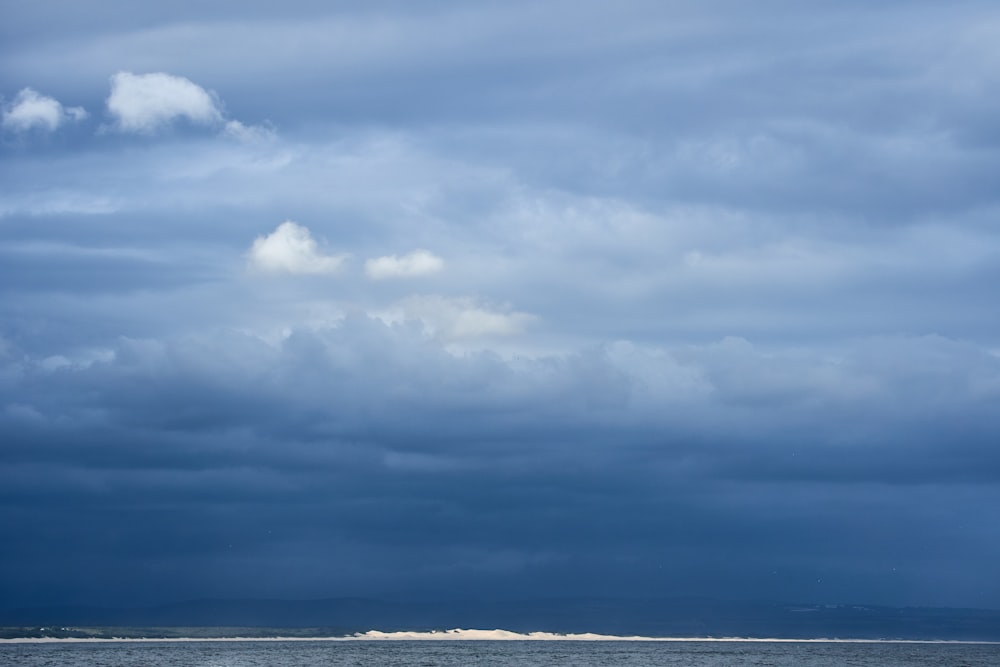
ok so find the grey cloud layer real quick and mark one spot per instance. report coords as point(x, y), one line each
point(370, 437)
point(577, 299)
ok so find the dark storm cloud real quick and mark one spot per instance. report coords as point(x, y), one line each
point(369, 438)
point(711, 309)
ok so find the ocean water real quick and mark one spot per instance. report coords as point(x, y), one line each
point(492, 653)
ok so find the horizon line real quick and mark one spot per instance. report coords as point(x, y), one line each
point(460, 634)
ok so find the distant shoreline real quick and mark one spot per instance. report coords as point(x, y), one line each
point(477, 635)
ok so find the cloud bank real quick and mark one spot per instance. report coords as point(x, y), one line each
point(706, 303)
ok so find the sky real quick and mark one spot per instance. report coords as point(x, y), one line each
point(500, 300)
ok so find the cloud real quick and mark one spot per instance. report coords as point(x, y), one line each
point(31, 109)
point(461, 318)
point(420, 461)
point(290, 248)
point(417, 263)
point(749, 267)
point(247, 133)
point(146, 102)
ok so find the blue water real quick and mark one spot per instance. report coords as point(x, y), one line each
point(490, 653)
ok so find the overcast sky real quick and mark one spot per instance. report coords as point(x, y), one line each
point(451, 299)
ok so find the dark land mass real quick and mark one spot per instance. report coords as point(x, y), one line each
point(657, 618)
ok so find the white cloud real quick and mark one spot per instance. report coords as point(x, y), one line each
point(291, 249)
point(145, 102)
point(417, 263)
point(31, 109)
point(459, 318)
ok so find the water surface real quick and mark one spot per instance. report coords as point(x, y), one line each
point(492, 653)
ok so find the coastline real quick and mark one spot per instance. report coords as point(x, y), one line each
point(481, 635)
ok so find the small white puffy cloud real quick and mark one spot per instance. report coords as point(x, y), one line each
point(417, 263)
point(30, 109)
point(146, 102)
point(291, 249)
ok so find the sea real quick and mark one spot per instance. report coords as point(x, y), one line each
point(492, 653)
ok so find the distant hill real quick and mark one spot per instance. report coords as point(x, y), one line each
point(683, 617)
